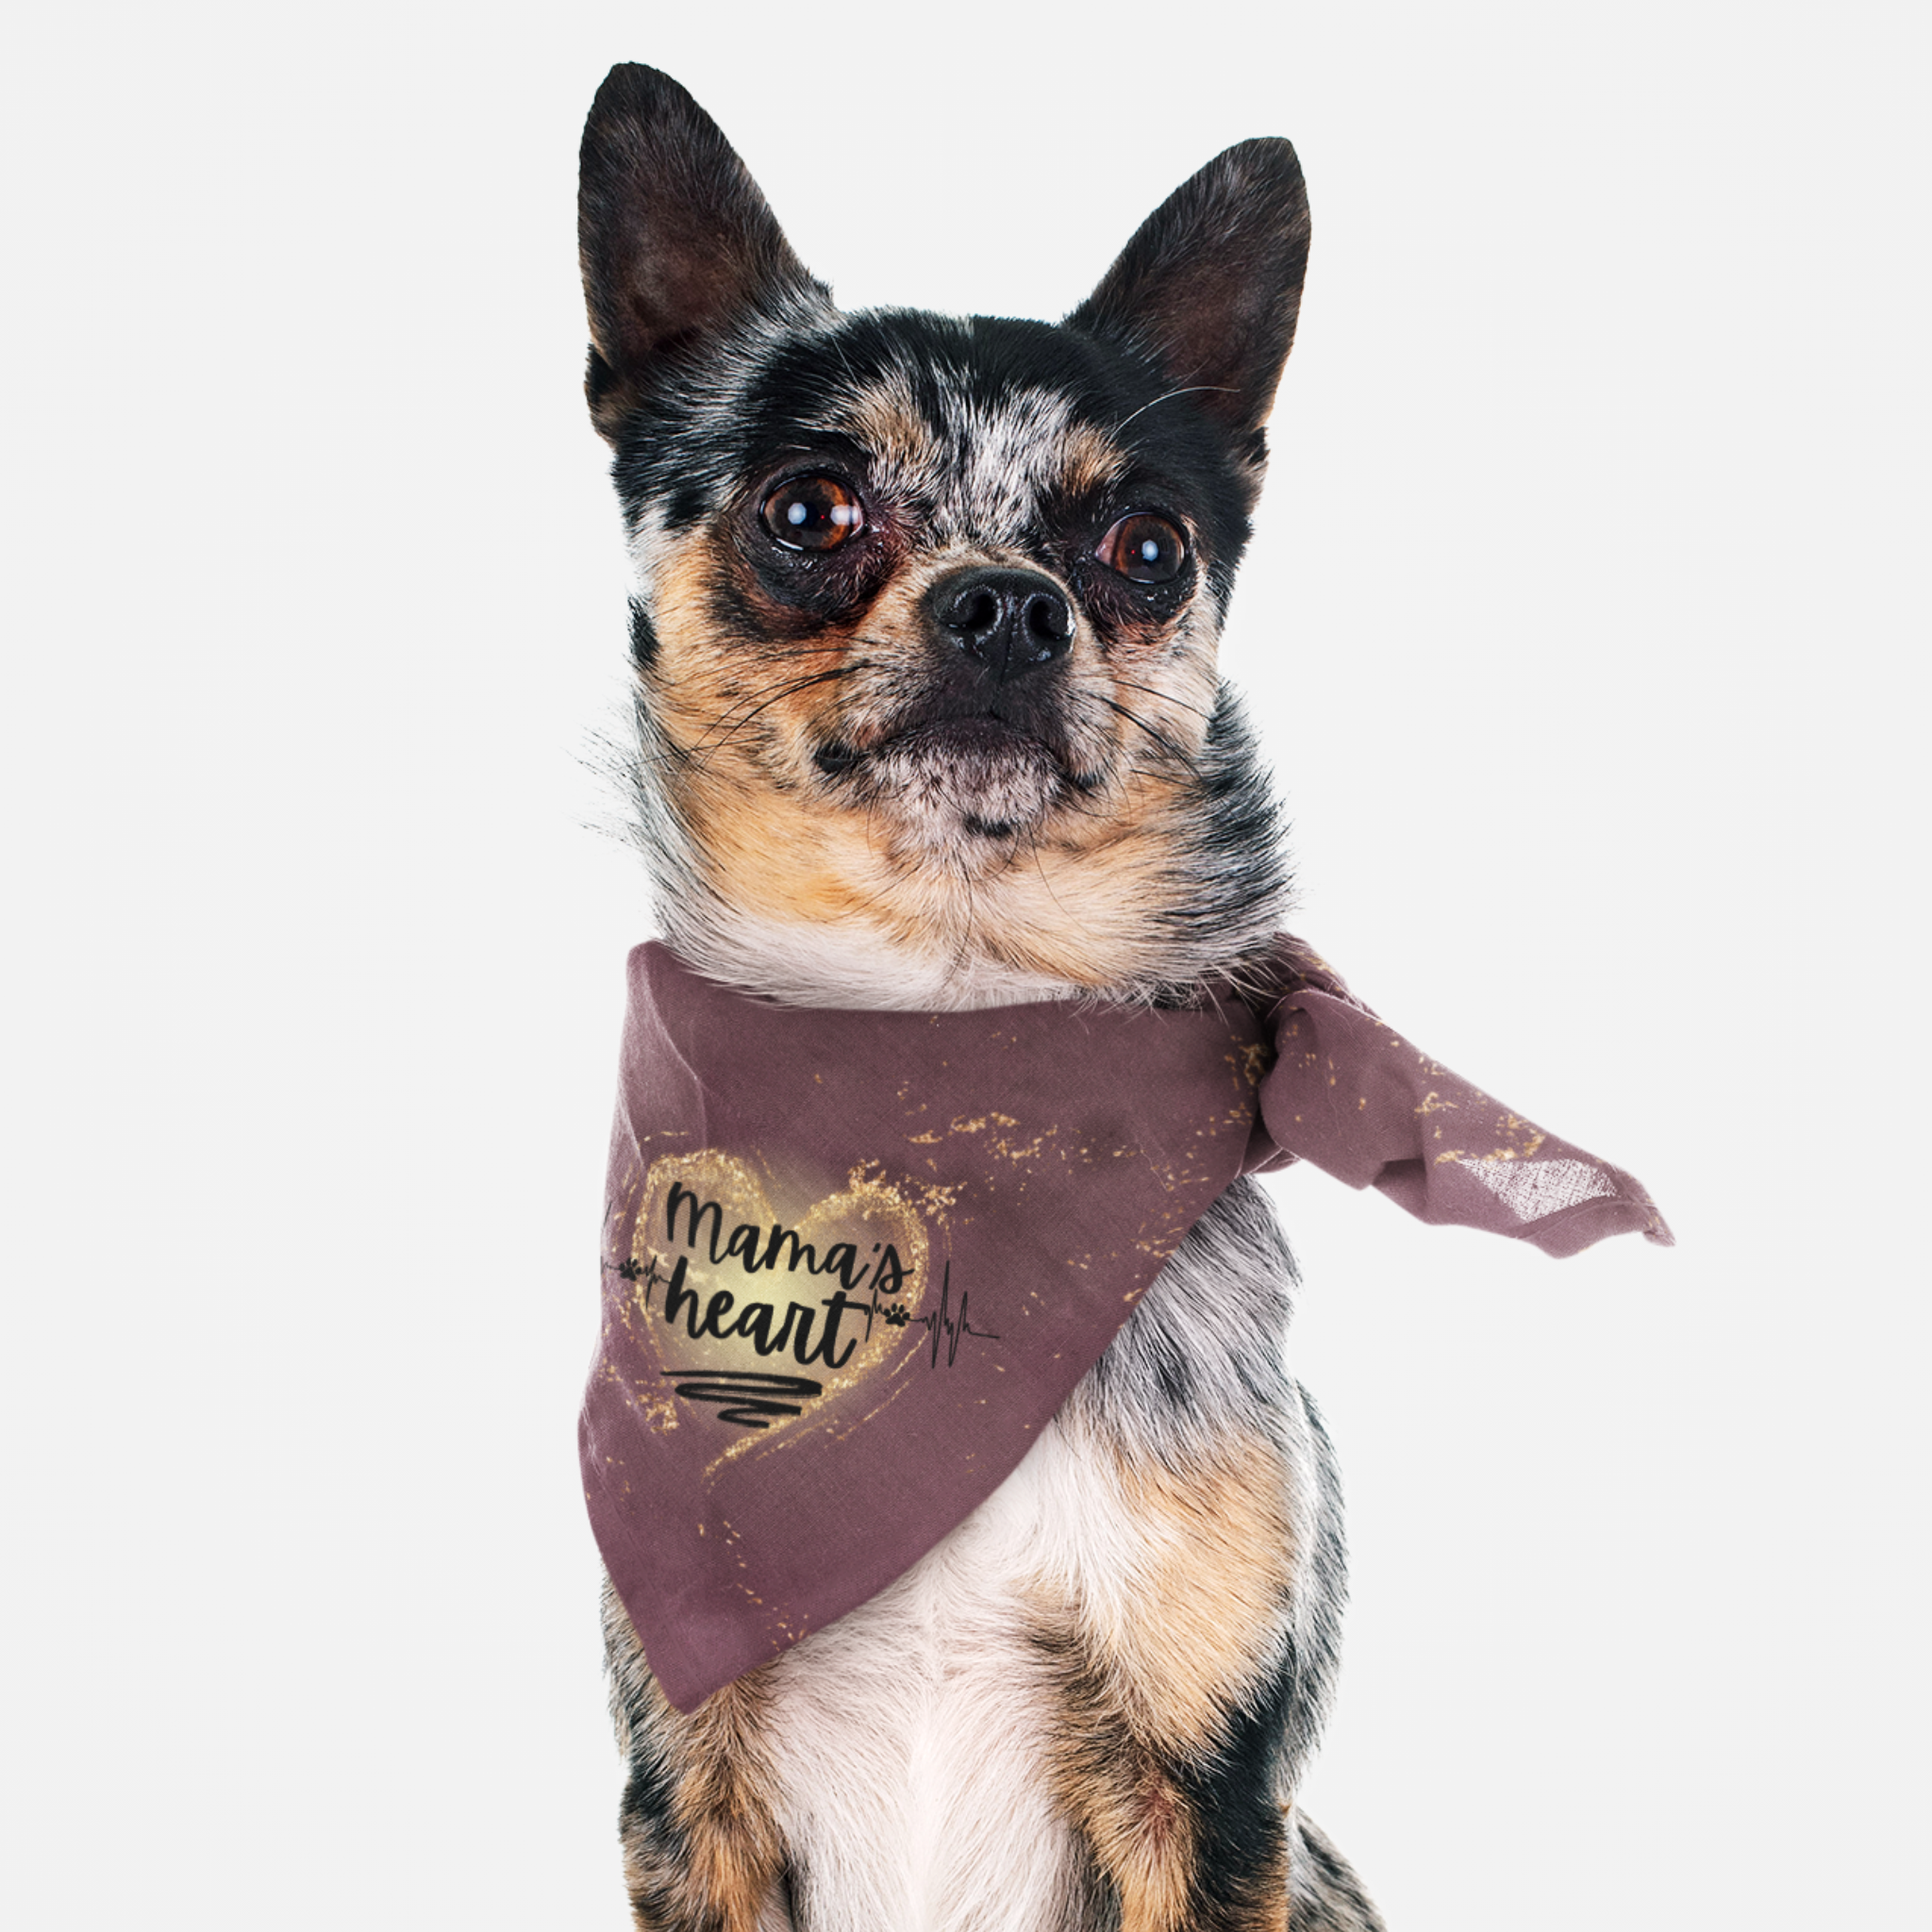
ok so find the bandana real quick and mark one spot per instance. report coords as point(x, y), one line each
point(854, 1262)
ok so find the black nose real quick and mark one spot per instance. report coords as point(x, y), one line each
point(1011, 620)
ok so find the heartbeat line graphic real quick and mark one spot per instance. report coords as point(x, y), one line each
point(942, 1323)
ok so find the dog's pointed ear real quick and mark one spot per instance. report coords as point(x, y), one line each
point(1211, 284)
point(676, 242)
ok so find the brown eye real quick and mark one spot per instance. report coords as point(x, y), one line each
point(1145, 549)
point(813, 513)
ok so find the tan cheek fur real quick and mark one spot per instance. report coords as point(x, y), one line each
point(730, 714)
point(1065, 903)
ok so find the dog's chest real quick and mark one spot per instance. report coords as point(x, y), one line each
point(911, 1742)
point(919, 1746)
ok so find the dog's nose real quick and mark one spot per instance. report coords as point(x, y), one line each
point(1011, 620)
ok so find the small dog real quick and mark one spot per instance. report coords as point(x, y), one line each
point(928, 718)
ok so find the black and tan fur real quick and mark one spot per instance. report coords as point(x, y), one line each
point(965, 755)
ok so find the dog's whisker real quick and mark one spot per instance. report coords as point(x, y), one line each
point(1160, 737)
point(1192, 390)
point(731, 724)
point(1165, 697)
point(1039, 866)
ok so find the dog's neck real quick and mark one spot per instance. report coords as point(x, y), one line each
point(1162, 915)
point(827, 965)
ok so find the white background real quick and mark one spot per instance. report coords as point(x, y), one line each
point(1585, 628)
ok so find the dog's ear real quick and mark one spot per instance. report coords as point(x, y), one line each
point(1210, 285)
point(678, 243)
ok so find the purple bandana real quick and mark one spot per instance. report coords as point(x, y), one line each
point(854, 1261)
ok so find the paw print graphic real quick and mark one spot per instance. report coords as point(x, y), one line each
point(896, 1316)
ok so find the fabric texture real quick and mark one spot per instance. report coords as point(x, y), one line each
point(854, 1262)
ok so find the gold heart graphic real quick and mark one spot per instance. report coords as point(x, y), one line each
point(764, 1322)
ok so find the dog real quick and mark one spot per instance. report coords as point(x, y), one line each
point(928, 719)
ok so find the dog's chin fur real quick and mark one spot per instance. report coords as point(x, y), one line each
point(966, 785)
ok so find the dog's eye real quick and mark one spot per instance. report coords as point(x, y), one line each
point(813, 513)
point(1147, 549)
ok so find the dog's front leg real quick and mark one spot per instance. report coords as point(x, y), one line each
point(1187, 1841)
point(1173, 1678)
point(700, 1854)
point(701, 1851)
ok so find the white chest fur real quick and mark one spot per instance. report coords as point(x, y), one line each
point(909, 1740)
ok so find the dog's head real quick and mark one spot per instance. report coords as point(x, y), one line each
point(927, 606)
